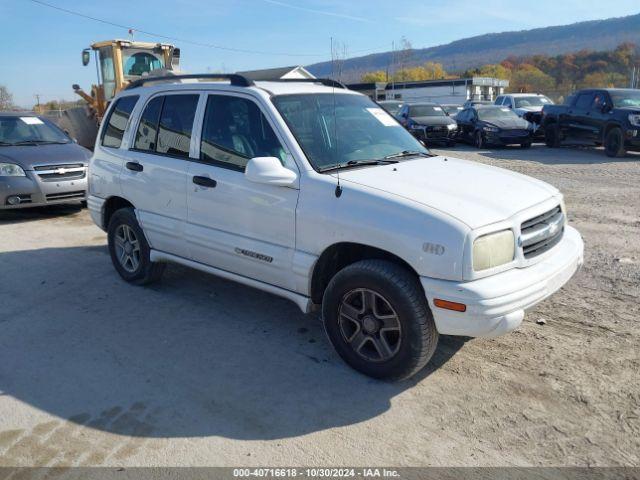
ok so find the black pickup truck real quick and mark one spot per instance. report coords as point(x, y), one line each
point(609, 117)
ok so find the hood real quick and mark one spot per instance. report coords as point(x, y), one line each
point(434, 120)
point(29, 155)
point(506, 123)
point(474, 193)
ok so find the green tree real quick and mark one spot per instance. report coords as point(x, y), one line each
point(529, 79)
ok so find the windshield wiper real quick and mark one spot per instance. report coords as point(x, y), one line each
point(408, 153)
point(357, 163)
point(8, 144)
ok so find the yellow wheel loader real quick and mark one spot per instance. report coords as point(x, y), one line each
point(118, 62)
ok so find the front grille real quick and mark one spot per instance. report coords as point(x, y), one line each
point(514, 133)
point(65, 196)
point(57, 173)
point(542, 233)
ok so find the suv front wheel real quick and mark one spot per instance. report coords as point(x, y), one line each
point(376, 316)
point(129, 249)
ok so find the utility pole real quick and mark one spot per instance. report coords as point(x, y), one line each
point(37, 95)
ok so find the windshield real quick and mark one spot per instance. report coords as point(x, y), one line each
point(17, 130)
point(534, 101)
point(496, 113)
point(338, 129)
point(625, 98)
point(453, 109)
point(426, 111)
point(392, 107)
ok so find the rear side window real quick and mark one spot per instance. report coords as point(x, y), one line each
point(117, 121)
point(584, 100)
point(234, 131)
point(147, 134)
point(176, 125)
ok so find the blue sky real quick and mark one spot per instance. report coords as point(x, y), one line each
point(41, 52)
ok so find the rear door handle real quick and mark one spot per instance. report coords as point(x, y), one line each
point(205, 182)
point(135, 166)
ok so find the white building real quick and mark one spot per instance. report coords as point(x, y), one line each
point(453, 91)
point(281, 73)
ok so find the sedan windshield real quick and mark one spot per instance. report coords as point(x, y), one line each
point(626, 98)
point(501, 113)
point(426, 111)
point(343, 129)
point(27, 130)
point(533, 101)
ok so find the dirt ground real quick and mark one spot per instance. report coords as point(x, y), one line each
point(201, 371)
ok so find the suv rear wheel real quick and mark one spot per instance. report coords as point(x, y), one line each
point(129, 249)
point(376, 316)
point(614, 143)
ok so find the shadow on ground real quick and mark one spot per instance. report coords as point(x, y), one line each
point(22, 215)
point(191, 356)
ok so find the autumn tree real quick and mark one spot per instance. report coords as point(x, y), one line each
point(529, 79)
point(371, 77)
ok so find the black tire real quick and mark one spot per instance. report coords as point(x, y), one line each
point(416, 338)
point(614, 143)
point(478, 139)
point(525, 145)
point(551, 136)
point(145, 270)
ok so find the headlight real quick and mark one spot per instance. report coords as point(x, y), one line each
point(491, 129)
point(11, 170)
point(634, 119)
point(493, 250)
point(452, 126)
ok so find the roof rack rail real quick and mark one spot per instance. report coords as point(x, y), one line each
point(328, 82)
point(235, 79)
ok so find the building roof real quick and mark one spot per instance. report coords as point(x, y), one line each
point(277, 73)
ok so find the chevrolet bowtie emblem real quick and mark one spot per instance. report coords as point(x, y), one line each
point(61, 171)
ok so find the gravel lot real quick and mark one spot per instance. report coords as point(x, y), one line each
point(200, 371)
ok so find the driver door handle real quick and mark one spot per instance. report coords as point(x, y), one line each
point(205, 182)
point(135, 166)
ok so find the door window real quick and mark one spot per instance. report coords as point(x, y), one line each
point(117, 121)
point(583, 101)
point(176, 125)
point(147, 134)
point(234, 131)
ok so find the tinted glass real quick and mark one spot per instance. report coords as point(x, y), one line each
point(28, 129)
point(426, 111)
point(584, 100)
point(234, 131)
point(147, 134)
point(117, 121)
point(176, 124)
point(336, 129)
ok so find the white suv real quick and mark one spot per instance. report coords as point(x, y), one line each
point(314, 193)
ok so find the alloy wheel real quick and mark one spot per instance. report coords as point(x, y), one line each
point(127, 247)
point(370, 325)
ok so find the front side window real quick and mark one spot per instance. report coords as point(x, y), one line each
point(147, 134)
point(336, 129)
point(234, 131)
point(117, 121)
point(27, 130)
point(176, 125)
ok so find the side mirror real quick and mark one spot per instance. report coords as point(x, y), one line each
point(606, 108)
point(269, 171)
point(86, 56)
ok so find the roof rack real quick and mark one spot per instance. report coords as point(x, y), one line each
point(235, 79)
point(328, 82)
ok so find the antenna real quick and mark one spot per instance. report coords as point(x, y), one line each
point(338, 191)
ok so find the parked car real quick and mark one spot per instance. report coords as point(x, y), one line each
point(609, 117)
point(492, 125)
point(452, 110)
point(428, 122)
point(391, 106)
point(527, 106)
point(39, 163)
point(476, 103)
point(393, 244)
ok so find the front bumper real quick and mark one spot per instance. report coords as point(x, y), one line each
point(508, 138)
point(496, 304)
point(34, 192)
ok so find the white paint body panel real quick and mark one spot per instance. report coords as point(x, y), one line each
point(271, 236)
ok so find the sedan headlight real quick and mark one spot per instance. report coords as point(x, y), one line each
point(634, 119)
point(491, 129)
point(11, 170)
point(493, 250)
point(452, 126)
